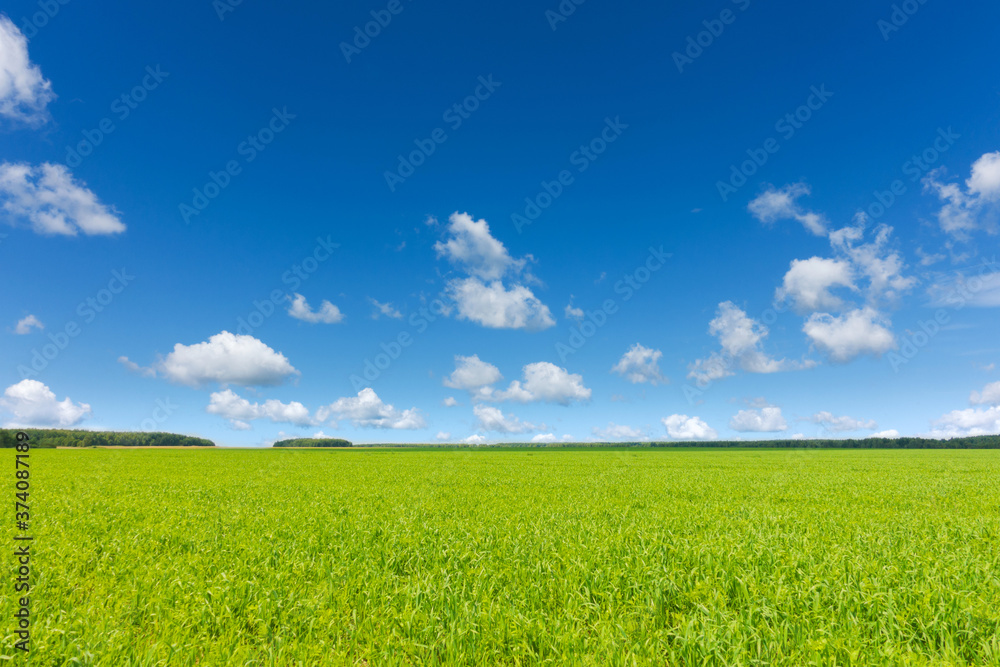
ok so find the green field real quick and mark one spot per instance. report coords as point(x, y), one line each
point(340, 557)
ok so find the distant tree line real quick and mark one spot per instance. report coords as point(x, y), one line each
point(972, 442)
point(48, 438)
point(314, 442)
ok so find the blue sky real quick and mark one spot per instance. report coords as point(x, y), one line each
point(782, 218)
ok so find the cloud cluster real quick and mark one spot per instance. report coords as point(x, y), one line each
point(619, 432)
point(51, 202)
point(682, 427)
point(640, 365)
point(368, 410)
point(237, 409)
point(765, 420)
point(327, 313)
point(541, 382)
point(483, 297)
point(24, 92)
point(972, 421)
point(33, 404)
point(741, 338)
point(225, 358)
point(965, 211)
point(489, 418)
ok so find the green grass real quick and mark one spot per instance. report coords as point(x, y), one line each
point(285, 557)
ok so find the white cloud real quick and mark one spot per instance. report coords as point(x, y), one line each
point(742, 339)
point(472, 247)
point(774, 204)
point(327, 313)
point(839, 424)
point(808, 282)
point(962, 211)
point(386, 309)
point(682, 427)
point(49, 200)
point(449, 402)
point(475, 440)
point(544, 381)
point(860, 331)
point(25, 325)
point(619, 432)
point(571, 312)
point(639, 365)
point(473, 375)
point(959, 423)
point(875, 261)
point(136, 368)
point(765, 420)
point(226, 359)
point(978, 288)
point(367, 409)
point(235, 408)
point(990, 395)
point(492, 419)
point(33, 404)
point(891, 433)
point(24, 92)
point(443, 435)
point(497, 307)
point(551, 437)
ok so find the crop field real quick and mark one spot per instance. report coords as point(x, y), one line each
point(613, 557)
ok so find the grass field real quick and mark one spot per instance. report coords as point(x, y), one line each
point(733, 557)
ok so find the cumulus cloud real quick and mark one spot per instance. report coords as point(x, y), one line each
point(765, 420)
point(963, 210)
point(224, 358)
point(474, 440)
point(876, 261)
point(990, 395)
point(619, 432)
point(24, 92)
point(809, 281)
point(26, 324)
point(471, 246)
point(741, 338)
point(237, 409)
point(541, 381)
point(640, 365)
point(972, 421)
point(891, 433)
point(449, 402)
point(473, 375)
point(368, 410)
point(780, 204)
point(386, 309)
point(327, 313)
point(682, 427)
point(839, 424)
point(33, 404)
point(492, 419)
point(482, 297)
point(51, 202)
point(495, 306)
point(858, 332)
